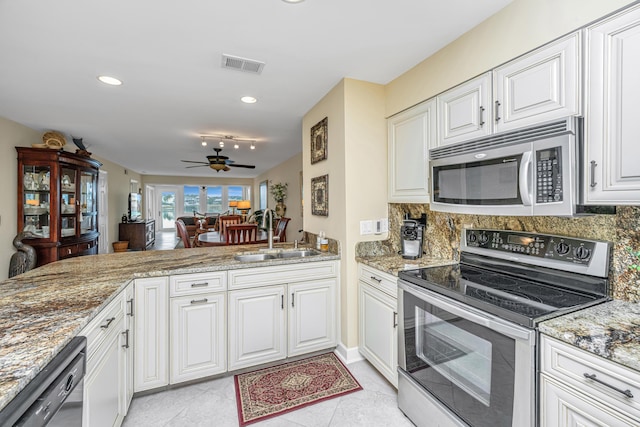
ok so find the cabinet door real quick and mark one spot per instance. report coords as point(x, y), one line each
point(563, 406)
point(312, 316)
point(540, 86)
point(410, 136)
point(198, 338)
point(127, 348)
point(465, 112)
point(103, 383)
point(377, 329)
point(257, 328)
point(612, 109)
point(151, 333)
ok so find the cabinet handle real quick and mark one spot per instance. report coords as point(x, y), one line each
point(497, 111)
point(292, 305)
point(481, 116)
point(282, 302)
point(625, 392)
point(130, 302)
point(376, 279)
point(199, 285)
point(199, 301)
point(593, 174)
point(106, 325)
point(395, 319)
point(126, 339)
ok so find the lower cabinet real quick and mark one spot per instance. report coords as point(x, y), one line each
point(378, 321)
point(108, 383)
point(198, 338)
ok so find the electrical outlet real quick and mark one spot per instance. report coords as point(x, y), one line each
point(366, 227)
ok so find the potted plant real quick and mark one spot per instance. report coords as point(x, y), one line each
point(279, 193)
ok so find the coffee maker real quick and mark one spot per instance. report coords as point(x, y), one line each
point(411, 239)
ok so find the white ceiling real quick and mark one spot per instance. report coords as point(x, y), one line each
point(168, 54)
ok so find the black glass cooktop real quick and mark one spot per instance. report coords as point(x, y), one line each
point(516, 298)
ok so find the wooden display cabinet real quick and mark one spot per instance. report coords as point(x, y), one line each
point(140, 235)
point(57, 201)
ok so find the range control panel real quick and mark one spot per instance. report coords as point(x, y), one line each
point(549, 175)
point(558, 248)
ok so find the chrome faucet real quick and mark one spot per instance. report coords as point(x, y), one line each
point(269, 227)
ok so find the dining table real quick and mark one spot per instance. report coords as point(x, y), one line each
point(215, 238)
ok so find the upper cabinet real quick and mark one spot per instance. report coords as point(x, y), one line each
point(411, 134)
point(542, 85)
point(57, 202)
point(612, 109)
point(464, 112)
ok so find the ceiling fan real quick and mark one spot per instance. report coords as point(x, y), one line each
point(217, 162)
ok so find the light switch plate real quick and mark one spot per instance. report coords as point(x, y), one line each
point(366, 227)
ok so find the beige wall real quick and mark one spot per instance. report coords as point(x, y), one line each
point(518, 28)
point(12, 135)
point(286, 172)
point(356, 164)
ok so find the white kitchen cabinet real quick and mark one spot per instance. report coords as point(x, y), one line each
point(612, 109)
point(464, 112)
point(257, 326)
point(198, 336)
point(151, 368)
point(542, 85)
point(410, 136)
point(378, 321)
point(127, 348)
point(312, 316)
point(569, 398)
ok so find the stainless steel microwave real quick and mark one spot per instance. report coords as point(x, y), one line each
point(532, 171)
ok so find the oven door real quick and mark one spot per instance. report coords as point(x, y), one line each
point(480, 367)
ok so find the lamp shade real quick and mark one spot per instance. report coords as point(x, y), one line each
point(233, 204)
point(244, 204)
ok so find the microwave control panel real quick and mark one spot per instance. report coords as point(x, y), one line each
point(548, 175)
point(558, 248)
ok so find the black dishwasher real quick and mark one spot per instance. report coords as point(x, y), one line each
point(54, 396)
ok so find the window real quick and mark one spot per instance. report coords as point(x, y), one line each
point(213, 199)
point(263, 195)
point(191, 199)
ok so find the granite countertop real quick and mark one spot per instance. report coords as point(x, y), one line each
point(43, 309)
point(393, 263)
point(610, 330)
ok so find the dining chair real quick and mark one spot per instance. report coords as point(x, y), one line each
point(241, 234)
point(280, 232)
point(181, 229)
point(226, 220)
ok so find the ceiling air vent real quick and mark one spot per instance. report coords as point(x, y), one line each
point(242, 64)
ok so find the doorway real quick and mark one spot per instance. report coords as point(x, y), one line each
point(168, 208)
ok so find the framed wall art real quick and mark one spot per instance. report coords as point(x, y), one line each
point(320, 195)
point(319, 141)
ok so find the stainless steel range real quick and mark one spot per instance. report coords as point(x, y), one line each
point(467, 332)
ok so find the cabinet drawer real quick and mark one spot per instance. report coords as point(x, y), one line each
point(67, 251)
point(86, 246)
point(385, 282)
point(570, 364)
point(286, 273)
point(103, 324)
point(197, 283)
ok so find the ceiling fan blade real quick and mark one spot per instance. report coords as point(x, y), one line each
point(193, 161)
point(243, 166)
point(196, 166)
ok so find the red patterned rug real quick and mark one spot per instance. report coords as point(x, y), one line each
point(269, 392)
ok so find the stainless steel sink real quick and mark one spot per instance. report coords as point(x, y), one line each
point(254, 257)
point(298, 254)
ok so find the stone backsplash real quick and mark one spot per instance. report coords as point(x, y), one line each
point(443, 230)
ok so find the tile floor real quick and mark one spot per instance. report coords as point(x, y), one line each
point(165, 240)
point(212, 403)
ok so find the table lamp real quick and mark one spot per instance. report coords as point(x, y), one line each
point(233, 204)
point(243, 207)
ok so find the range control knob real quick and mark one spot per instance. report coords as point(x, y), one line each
point(472, 237)
point(484, 238)
point(583, 253)
point(562, 248)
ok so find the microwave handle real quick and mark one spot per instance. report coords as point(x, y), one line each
point(525, 184)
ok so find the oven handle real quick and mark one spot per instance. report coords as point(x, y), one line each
point(525, 177)
point(469, 313)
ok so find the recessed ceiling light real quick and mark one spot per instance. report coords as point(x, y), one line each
point(248, 100)
point(221, 144)
point(236, 146)
point(293, 1)
point(110, 80)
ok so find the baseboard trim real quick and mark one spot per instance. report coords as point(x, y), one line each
point(348, 355)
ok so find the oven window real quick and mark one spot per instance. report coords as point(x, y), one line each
point(461, 357)
point(490, 182)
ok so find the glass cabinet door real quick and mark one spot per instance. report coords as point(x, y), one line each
point(68, 202)
point(37, 199)
point(88, 205)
